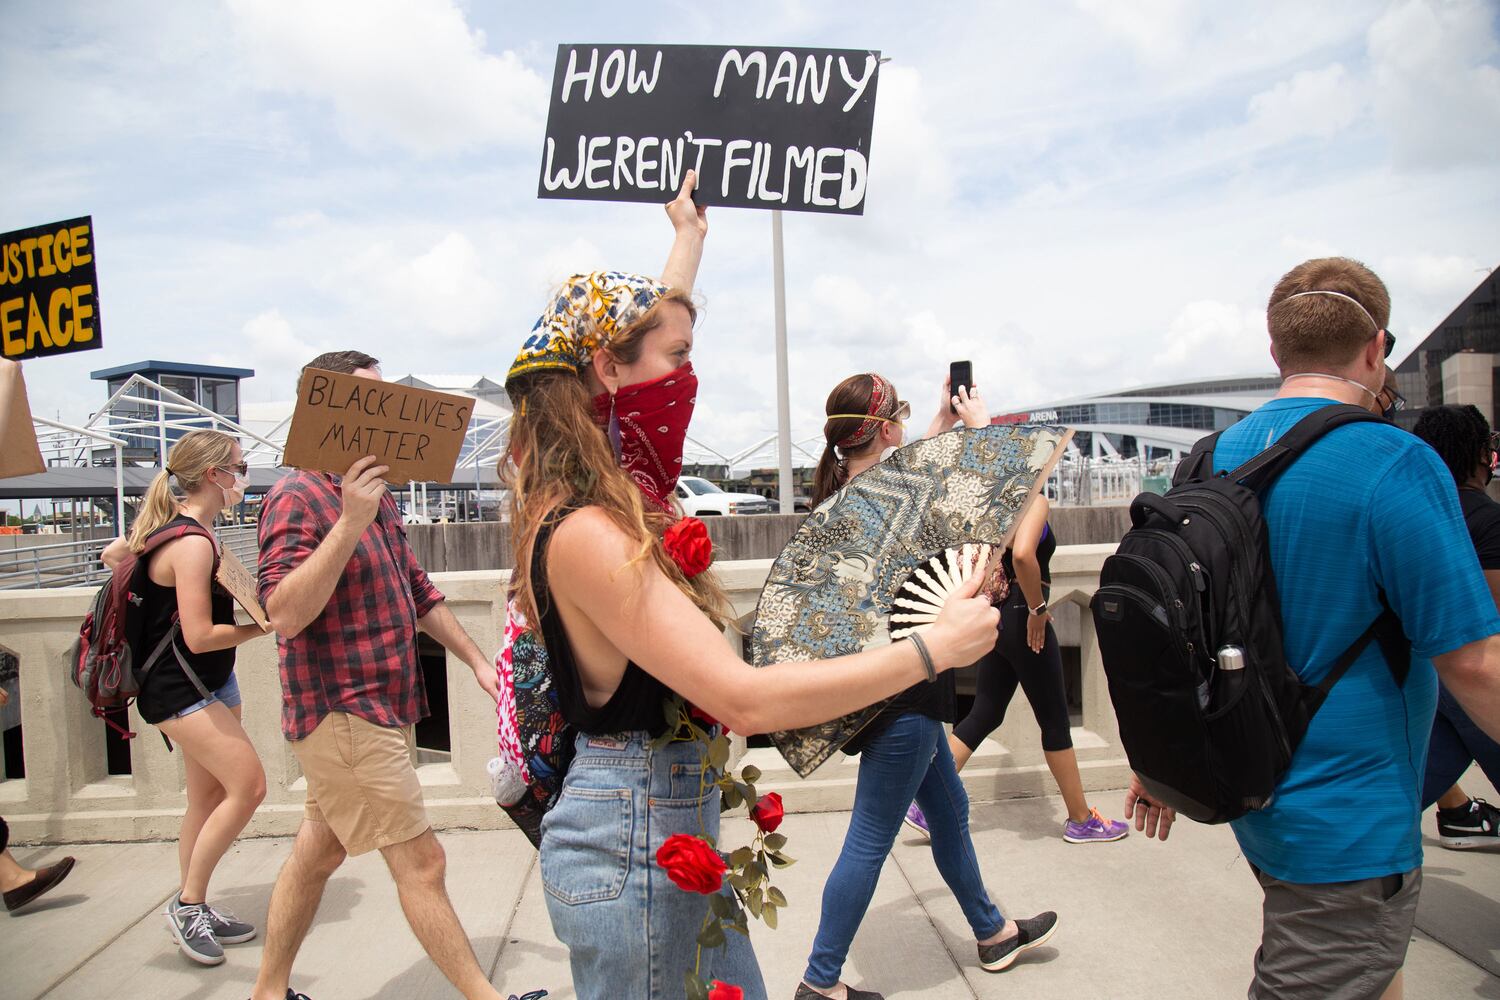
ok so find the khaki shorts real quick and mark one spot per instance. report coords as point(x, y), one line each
point(1337, 941)
point(360, 781)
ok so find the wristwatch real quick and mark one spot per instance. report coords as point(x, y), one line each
point(1039, 610)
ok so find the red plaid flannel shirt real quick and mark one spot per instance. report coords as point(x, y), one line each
point(360, 654)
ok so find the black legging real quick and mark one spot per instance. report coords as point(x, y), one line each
point(1040, 674)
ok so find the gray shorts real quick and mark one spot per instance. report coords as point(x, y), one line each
point(1334, 941)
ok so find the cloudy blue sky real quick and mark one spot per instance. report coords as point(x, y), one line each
point(1077, 196)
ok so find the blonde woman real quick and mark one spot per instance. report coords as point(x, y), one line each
point(191, 694)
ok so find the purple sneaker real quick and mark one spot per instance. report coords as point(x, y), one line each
point(1095, 830)
point(916, 820)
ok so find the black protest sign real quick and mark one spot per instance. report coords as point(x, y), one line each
point(341, 418)
point(763, 127)
point(49, 297)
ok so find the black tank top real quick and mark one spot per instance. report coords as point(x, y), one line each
point(636, 703)
point(167, 690)
point(1044, 550)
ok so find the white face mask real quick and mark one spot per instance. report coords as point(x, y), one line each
point(234, 494)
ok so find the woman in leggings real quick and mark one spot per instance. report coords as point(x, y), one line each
point(1027, 654)
point(904, 753)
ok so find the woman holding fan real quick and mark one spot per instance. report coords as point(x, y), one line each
point(603, 390)
point(904, 752)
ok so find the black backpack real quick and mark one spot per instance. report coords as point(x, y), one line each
point(1189, 627)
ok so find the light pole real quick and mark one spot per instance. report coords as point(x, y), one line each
point(783, 392)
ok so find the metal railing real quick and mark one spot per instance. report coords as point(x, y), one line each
point(76, 563)
point(1087, 482)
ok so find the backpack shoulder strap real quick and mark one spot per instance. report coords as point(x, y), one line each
point(1262, 470)
point(1395, 647)
point(171, 533)
point(1198, 465)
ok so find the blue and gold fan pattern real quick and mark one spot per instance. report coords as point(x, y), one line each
point(831, 590)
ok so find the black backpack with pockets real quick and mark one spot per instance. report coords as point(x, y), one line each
point(1189, 628)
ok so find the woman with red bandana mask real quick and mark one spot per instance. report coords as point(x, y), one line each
point(603, 390)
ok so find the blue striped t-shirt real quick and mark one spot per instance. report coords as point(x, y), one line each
point(1368, 507)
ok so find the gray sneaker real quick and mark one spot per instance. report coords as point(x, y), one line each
point(228, 928)
point(1030, 933)
point(194, 932)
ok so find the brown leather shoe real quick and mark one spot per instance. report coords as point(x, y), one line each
point(46, 878)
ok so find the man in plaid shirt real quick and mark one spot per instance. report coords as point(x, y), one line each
point(346, 597)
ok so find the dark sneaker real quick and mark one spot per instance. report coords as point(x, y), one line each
point(194, 932)
point(806, 992)
point(916, 820)
point(1031, 933)
point(1474, 825)
point(533, 995)
point(228, 928)
point(43, 881)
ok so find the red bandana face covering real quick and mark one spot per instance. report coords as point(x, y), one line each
point(647, 424)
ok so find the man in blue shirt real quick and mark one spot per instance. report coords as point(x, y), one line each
point(1368, 509)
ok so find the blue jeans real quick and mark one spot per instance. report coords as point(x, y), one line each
point(909, 760)
point(228, 693)
point(629, 930)
point(1456, 743)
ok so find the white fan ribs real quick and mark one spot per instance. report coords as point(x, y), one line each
point(924, 594)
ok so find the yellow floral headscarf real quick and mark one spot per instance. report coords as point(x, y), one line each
point(584, 315)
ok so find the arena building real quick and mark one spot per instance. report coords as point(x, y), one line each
point(1151, 422)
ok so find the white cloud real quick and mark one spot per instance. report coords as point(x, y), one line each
point(445, 292)
point(406, 73)
point(1437, 89)
point(1319, 103)
point(1155, 28)
point(1234, 337)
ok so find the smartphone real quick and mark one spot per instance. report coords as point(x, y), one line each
point(960, 373)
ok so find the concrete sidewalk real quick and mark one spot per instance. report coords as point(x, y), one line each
point(1138, 919)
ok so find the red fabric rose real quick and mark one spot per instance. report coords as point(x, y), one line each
point(708, 720)
point(768, 812)
point(723, 991)
point(692, 864)
point(688, 544)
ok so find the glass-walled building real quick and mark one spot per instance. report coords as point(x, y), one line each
point(1155, 421)
point(212, 387)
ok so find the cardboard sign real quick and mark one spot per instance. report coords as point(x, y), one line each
point(240, 582)
point(763, 127)
point(340, 419)
point(19, 454)
point(49, 297)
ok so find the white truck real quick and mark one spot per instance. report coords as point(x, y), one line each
point(701, 498)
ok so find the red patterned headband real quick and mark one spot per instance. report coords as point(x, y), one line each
point(882, 396)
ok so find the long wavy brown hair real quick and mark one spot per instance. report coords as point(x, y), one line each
point(559, 455)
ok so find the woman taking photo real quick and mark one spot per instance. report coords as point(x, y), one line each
point(1027, 654)
point(603, 391)
point(903, 751)
point(199, 713)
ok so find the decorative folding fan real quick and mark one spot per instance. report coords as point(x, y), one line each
point(923, 595)
point(897, 538)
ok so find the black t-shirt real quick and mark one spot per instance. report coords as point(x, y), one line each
point(636, 703)
point(1482, 518)
point(167, 690)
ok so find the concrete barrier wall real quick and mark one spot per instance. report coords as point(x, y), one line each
point(67, 794)
point(484, 545)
